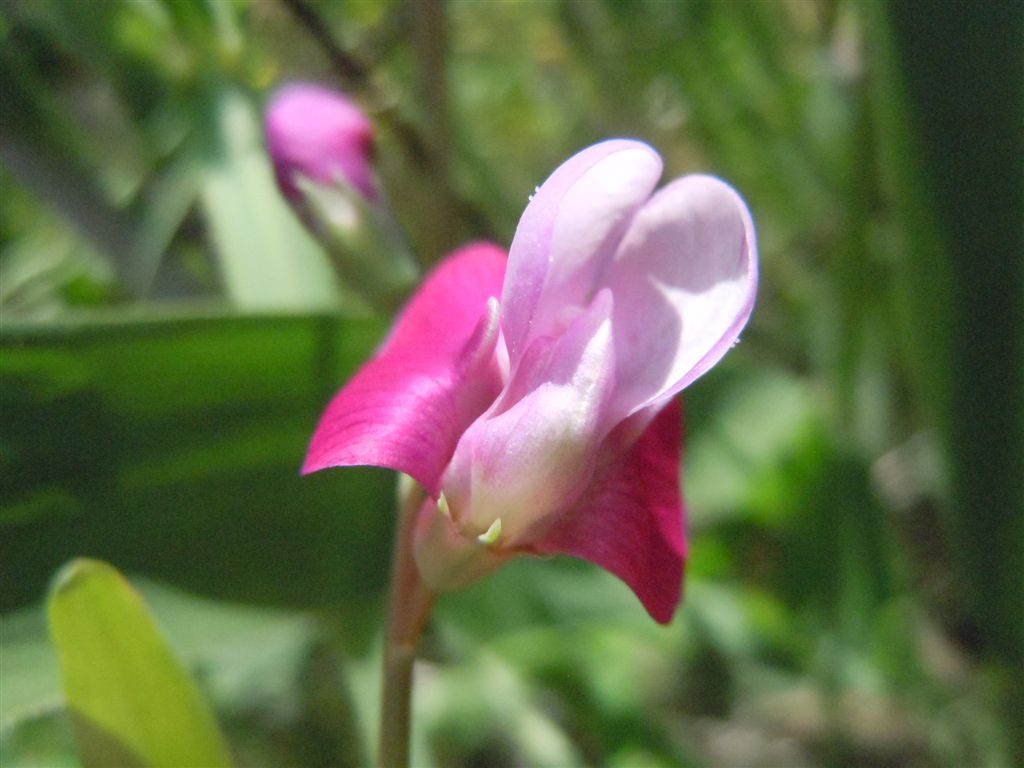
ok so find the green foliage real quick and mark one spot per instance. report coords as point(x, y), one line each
point(264, 670)
point(172, 447)
point(128, 698)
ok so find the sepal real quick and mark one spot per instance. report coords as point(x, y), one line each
point(446, 559)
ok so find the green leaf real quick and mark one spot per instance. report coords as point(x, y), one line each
point(130, 700)
point(212, 418)
point(254, 665)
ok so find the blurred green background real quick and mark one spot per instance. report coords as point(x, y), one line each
point(853, 469)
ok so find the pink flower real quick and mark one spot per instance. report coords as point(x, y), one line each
point(535, 398)
point(316, 133)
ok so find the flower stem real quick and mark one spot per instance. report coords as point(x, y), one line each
point(409, 608)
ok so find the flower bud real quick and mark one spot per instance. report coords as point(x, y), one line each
point(321, 146)
point(317, 134)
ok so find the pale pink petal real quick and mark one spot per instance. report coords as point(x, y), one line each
point(438, 371)
point(533, 456)
point(631, 523)
point(684, 280)
point(568, 233)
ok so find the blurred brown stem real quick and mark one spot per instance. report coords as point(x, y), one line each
point(429, 153)
point(355, 73)
point(349, 67)
point(430, 40)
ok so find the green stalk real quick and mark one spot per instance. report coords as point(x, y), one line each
point(409, 608)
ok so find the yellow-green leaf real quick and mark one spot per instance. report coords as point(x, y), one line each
point(130, 700)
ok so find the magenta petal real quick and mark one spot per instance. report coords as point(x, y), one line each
point(631, 523)
point(406, 408)
point(568, 233)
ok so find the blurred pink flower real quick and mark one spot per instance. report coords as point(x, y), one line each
point(317, 133)
point(535, 397)
point(321, 146)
